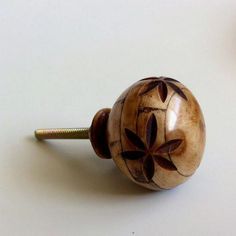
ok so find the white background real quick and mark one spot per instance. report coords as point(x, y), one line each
point(60, 62)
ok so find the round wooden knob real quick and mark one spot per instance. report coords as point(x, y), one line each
point(155, 133)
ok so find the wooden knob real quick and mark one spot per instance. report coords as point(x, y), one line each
point(155, 133)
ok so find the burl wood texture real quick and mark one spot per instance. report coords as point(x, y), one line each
point(156, 133)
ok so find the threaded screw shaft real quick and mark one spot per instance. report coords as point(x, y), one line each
point(62, 133)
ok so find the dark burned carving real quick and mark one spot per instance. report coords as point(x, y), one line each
point(162, 83)
point(151, 131)
point(164, 163)
point(134, 139)
point(178, 90)
point(147, 152)
point(163, 91)
point(148, 167)
point(169, 146)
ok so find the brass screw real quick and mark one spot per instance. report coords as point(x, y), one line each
point(62, 133)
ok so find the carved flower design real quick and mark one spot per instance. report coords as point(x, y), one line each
point(149, 153)
point(162, 83)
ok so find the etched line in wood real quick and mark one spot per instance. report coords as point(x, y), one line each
point(157, 185)
point(149, 109)
point(121, 101)
point(113, 143)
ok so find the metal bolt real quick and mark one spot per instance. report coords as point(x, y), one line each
point(62, 133)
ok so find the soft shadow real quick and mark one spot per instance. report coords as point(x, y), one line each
point(74, 167)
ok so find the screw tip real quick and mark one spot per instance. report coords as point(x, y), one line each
point(37, 135)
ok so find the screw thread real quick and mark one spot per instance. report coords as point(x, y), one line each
point(62, 133)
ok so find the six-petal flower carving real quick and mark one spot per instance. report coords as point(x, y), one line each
point(148, 152)
point(162, 83)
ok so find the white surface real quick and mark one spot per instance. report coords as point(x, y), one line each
point(61, 61)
